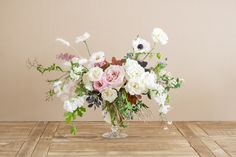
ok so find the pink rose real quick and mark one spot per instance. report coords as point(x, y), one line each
point(114, 76)
point(100, 85)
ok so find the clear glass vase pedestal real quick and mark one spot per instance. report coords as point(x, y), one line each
point(114, 133)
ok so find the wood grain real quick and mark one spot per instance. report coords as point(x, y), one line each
point(146, 139)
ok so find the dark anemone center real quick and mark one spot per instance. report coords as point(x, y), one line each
point(140, 46)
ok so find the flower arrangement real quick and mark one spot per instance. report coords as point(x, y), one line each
point(117, 86)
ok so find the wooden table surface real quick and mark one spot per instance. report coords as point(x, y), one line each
point(183, 139)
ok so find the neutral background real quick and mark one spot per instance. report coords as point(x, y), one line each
point(201, 49)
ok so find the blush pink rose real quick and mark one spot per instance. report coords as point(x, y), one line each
point(114, 76)
point(100, 85)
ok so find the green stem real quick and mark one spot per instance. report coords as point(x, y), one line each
point(149, 52)
point(87, 48)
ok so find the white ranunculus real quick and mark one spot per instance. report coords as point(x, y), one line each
point(95, 74)
point(135, 86)
point(82, 38)
point(72, 104)
point(109, 95)
point(133, 69)
point(97, 57)
point(141, 45)
point(149, 80)
point(161, 99)
point(159, 36)
point(87, 83)
point(63, 41)
point(164, 109)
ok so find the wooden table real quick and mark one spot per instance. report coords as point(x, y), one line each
point(183, 139)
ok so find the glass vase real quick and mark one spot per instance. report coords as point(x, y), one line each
point(115, 133)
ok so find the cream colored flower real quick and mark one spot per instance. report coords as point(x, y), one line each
point(95, 74)
point(135, 86)
point(109, 95)
point(82, 38)
point(159, 36)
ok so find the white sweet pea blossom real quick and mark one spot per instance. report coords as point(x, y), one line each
point(164, 109)
point(82, 38)
point(135, 86)
point(109, 95)
point(95, 74)
point(159, 36)
point(160, 89)
point(64, 42)
point(72, 104)
point(74, 76)
point(97, 57)
point(161, 99)
point(141, 45)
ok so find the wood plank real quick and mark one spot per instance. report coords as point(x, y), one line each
point(29, 146)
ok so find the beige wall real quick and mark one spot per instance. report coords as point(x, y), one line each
point(201, 49)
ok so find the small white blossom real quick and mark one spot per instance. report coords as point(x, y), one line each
point(87, 83)
point(82, 38)
point(67, 64)
point(74, 76)
point(161, 99)
point(164, 109)
point(63, 41)
point(79, 61)
point(78, 69)
point(95, 74)
point(141, 45)
point(97, 57)
point(109, 95)
point(159, 36)
point(160, 89)
point(72, 104)
point(57, 88)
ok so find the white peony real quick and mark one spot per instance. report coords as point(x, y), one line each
point(109, 95)
point(164, 109)
point(82, 38)
point(95, 74)
point(135, 86)
point(72, 104)
point(141, 45)
point(159, 36)
point(97, 57)
point(161, 99)
point(87, 83)
point(133, 69)
point(149, 80)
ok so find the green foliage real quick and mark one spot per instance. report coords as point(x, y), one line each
point(80, 90)
point(50, 94)
point(73, 130)
point(158, 55)
point(50, 68)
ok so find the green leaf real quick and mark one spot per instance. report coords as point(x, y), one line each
point(159, 55)
point(73, 130)
point(68, 116)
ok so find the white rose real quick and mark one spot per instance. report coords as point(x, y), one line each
point(97, 57)
point(133, 69)
point(109, 95)
point(149, 80)
point(95, 74)
point(72, 104)
point(135, 86)
point(159, 36)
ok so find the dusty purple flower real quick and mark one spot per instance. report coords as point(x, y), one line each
point(65, 56)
